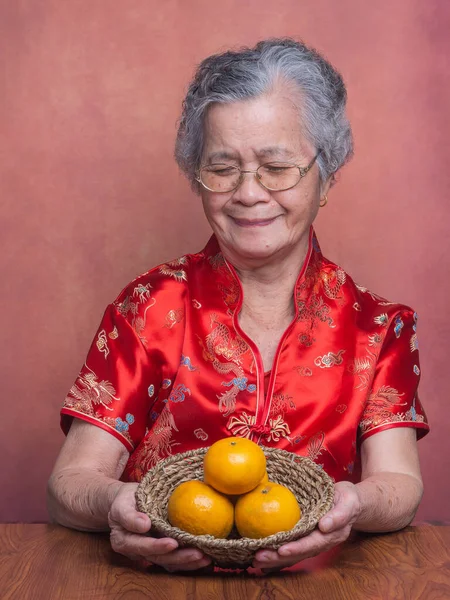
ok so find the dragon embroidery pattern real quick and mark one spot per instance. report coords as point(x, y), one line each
point(379, 409)
point(87, 392)
point(157, 444)
point(220, 344)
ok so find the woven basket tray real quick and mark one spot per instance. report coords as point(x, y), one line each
point(312, 487)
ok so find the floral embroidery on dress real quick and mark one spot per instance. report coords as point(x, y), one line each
point(414, 342)
point(416, 370)
point(166, 383)
point(178, 274)
point(315, 445)
point(183, 260)
point(306, 339)
point(365, 366)
point(143, 293)
point(329, 360)
point(244, 425)
point(151, 390)
point(381, 320)
point(341, 408)
point(303, 371)
point(277, 429)
point(375, 297)
point(281, 403)
point(196, 304)
point(357, 306)
point(102, 343)
point(174, 317)
point(375, 340)
point(114, 334)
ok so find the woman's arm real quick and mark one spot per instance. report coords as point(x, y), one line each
point(84, 493)
point(391, 487)
point(84, 481)
point(385, 500)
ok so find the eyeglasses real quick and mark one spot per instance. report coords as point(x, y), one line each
point(274, 176)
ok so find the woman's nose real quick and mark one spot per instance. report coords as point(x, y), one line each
point(250, 191)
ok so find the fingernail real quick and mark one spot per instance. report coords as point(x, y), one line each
point(171, 546)
point(206, 562)
point(327, 523)
point(264, 556)
point(284, 552)
point(195, 556)
point(141, 522)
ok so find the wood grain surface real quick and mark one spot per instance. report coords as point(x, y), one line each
point(50, 562)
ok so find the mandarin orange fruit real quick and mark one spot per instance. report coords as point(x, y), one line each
point(234, 499)
point(197, 508)
point(266, 510)
point(234, 465)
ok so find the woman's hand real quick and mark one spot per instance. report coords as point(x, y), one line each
point(127, 529)
point(334, 528)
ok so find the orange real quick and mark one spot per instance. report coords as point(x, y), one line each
point(266, 510)
point(198, 509)
point(234, 465)
point(234, 499)
point(265, 479)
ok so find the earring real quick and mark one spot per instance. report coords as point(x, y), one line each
point(324, 201)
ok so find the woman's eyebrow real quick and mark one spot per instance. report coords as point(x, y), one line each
point(221, 155)
point(277, 151)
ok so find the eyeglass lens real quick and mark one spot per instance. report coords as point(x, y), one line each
point(224, 178)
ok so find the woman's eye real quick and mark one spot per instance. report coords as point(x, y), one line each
point(276, 168)
point(221, 170)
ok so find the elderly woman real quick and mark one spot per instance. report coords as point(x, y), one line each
point(257, 335)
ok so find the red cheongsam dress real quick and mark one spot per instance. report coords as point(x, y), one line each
point(170, 369)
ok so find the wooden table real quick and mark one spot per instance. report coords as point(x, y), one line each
point(50, 562)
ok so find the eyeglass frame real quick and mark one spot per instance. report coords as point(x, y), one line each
point(302, 171)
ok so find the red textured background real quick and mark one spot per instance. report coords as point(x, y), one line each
point(90, 196)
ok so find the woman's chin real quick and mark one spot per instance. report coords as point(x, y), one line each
point(254, 251)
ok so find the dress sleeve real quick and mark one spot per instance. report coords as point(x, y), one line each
point(393, 399)
point(113, 388)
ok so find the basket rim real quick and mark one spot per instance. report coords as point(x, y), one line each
point(275, 540)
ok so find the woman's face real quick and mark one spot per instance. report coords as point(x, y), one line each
point(253, 224)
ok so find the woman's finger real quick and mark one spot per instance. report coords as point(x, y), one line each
point(308, 546)
point(279, 563)
point(192, 566)
point(130, 544)
point(129, 518)
point(177, 558)
point(345, 510)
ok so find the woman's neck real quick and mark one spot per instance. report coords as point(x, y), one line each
point(268, 289)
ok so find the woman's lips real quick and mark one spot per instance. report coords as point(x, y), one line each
point(253, 222)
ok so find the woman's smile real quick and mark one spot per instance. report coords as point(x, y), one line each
point(254, 222)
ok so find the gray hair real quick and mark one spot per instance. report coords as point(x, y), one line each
point(251, 72)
